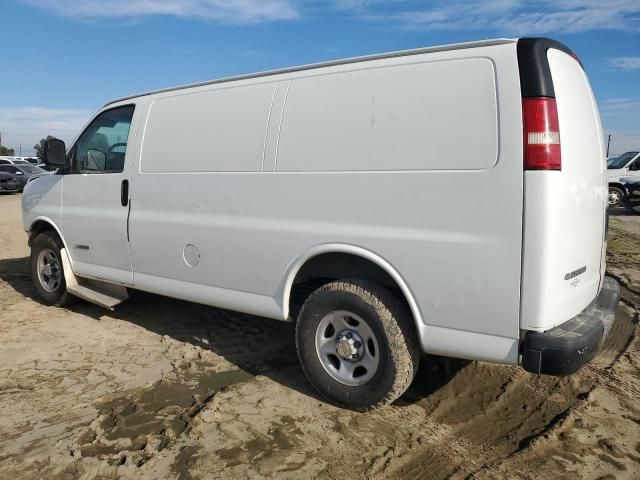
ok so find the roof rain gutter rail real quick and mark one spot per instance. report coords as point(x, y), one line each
point(402, 53)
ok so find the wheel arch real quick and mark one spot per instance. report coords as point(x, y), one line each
point(377, 261)
point(42, 224)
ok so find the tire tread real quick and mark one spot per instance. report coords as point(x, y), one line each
point(399, 329)
point(65, 298)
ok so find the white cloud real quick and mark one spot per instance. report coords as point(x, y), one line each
point(620, 106)
point(232, 11)
point(514, 16)
point(27, 125)
point(625, 63)
point(509, 16)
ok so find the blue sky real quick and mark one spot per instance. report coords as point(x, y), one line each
point(63, 59)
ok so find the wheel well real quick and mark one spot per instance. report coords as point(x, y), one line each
point(327, 267)
point(616, 185)
point(39, 227)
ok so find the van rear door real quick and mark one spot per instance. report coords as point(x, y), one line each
point(565, 199)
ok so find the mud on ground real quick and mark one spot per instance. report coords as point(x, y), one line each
point(161, 388)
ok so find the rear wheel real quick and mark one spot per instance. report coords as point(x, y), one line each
point(357, 344)
point(46, 269)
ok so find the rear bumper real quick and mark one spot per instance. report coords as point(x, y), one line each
point(566, 348)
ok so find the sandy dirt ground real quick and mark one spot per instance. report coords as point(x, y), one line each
point(161, 388)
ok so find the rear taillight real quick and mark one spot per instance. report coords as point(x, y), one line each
point(541, 134)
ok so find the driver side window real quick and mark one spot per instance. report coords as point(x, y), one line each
point(102, 146)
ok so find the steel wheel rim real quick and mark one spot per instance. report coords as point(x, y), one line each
point(333, 343)
point(49, 271)
point(614, 198)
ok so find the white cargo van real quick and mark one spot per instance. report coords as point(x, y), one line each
point(449, 200)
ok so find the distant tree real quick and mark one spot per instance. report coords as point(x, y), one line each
point(6, 151)
point(40, 146)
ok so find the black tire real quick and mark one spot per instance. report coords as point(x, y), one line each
point(391, 323)
point(619, 194)
point(632, 204)
point(59, 297)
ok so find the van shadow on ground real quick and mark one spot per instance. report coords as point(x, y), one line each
point(257, 345)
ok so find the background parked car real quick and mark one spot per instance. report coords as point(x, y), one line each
point(13, 161)
point(626, 165)
point(21, 173)
point(33, 161)
point(8, 183)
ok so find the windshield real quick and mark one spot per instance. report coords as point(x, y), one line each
point(621, 161)
point(31, 169)
point(20, 162)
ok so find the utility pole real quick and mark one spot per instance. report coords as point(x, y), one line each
point(20, 154)
point(608, 143)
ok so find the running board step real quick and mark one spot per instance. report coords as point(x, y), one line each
point(103, 294)
point(95, 292)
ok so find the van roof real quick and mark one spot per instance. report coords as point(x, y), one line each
point(400, 53)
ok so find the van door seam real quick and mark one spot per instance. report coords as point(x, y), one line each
point(284, 104)
point(138, 113)
point(266, 130)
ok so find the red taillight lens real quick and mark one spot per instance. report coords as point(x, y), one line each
point(541, 134)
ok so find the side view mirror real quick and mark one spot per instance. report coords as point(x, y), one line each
point(55, 152)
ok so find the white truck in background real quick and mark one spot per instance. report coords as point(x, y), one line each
point(625, 166)
point(328, 196)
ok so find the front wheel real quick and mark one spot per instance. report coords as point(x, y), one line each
point(46, 269)
point(357, 344)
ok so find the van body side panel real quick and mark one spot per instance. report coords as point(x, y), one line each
point(448, 228)
point(393, 118)
point(565, 210)
point(219, 130)
point(202, 151)
point(451, 225)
